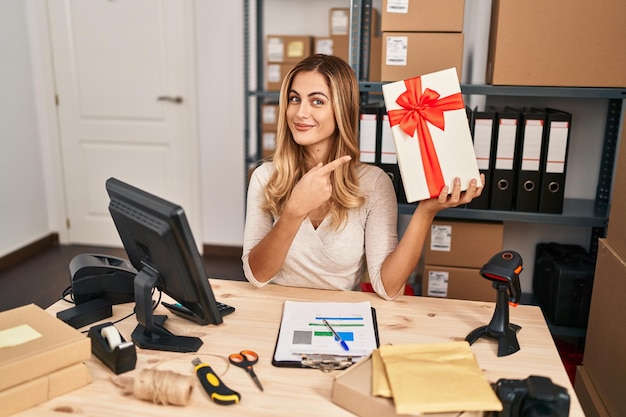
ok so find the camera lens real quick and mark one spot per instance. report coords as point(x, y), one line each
point(538, 409)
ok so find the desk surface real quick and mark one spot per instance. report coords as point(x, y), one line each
point(303, 392)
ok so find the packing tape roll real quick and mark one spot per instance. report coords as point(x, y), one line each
point(112, 336)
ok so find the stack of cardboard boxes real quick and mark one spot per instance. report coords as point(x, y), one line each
point(40, 358)
point(600, 381)
point(281, 53)
point(420, 37)
point(454, 252)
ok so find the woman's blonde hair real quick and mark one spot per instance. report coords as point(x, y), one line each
point(291, 160)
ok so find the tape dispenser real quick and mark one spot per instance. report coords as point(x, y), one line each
point(108, 345)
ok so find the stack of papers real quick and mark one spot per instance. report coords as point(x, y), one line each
point(304, 332)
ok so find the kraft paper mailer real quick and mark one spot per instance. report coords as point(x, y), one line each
point(440, 377)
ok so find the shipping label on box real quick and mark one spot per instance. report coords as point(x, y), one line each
point(431, 133)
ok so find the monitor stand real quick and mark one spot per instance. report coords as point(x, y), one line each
point(150, 333)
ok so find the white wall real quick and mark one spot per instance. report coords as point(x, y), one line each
point(23, 207)
point(219, 42)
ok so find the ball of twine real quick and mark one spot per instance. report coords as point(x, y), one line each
point(163, 387)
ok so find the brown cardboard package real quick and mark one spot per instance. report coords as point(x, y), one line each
point(460, 243)
point(287, 48)
point(557, 43)
point(274, 75)
point(410, 54)
point(337, 45)
point(44, 388)
point(352, 390)
point(268, 142)
point(339, 21)
point(423, 16)
point(616, 232)
point(269, 116)
point(59, 346)
point(605, 343)
point(587, 395)
point(456, 282)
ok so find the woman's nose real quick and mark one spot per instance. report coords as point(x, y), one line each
point(303, 110)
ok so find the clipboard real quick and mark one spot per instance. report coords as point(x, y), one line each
point(323, 362)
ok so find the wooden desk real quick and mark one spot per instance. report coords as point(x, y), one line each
point(304, 392)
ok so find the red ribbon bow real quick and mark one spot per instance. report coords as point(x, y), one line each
point(417, 109)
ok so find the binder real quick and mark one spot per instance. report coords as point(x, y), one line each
point(556, 138)
point(388, 158)
point(505, 167)
point(530, 137)
point(369, 132)
point(483, 124)
point(291, 328)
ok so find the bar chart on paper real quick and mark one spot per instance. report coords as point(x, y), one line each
point(304, 331)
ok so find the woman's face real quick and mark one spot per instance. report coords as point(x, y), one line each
point(310, 115)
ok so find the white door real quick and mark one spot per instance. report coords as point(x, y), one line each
point(124, 73)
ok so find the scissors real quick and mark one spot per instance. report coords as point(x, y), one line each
point(245, 359)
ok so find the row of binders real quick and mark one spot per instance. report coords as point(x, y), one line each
point(521, 152)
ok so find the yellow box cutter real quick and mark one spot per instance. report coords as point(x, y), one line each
point(214, 386)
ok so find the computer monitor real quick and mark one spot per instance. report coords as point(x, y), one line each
point(160, 245)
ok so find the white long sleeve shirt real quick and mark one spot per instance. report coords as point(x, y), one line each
point(327, 258)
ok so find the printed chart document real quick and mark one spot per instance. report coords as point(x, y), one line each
point(303, 331)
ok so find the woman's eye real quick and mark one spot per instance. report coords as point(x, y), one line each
point(318, 102)
point(294, 99)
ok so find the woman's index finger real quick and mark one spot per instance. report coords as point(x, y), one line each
point(333, 165)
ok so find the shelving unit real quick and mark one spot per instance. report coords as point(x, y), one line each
point(576, 212)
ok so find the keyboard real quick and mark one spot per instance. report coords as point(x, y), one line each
point(184, 312)
point(225, 309)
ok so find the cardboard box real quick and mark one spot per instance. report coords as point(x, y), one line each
point(287, 48)
point(339, 21)
point(454, 243)
point(557, 43)
point(337, 45)
point(44, 388)
point(269, 116)
point(352, 390)
point(605, 342)
point(456, 282)
point(275, 73)
point(590, 401)
point(423, 16)
point(616, 232)
point(268, 142)
point(59, 346)
point(432, 150)
point(409, 54)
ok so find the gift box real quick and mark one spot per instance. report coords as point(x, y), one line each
point(431, 133)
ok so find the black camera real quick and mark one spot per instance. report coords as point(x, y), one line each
point(535, 396)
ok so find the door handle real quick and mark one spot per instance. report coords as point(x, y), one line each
point(177, 99)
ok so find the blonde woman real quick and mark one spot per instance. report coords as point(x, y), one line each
point(317, 217)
